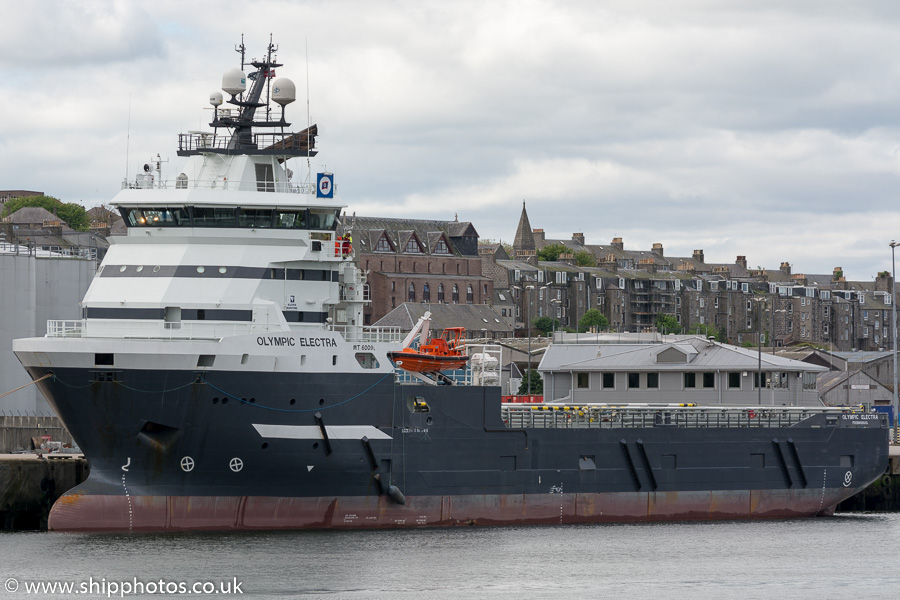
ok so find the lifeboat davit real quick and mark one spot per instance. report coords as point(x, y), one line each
point(438, 354)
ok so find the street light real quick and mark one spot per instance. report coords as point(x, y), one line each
point(896, 403)
point(553, 318)
point(530, 288)
point(759, 346)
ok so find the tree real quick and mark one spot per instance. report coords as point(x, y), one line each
point(583, 258)
point(593, 319)
point(667, 323)
point(551, 252)
point(545, 325)
point(710, 331)
point(537, 384)
point(73, 214)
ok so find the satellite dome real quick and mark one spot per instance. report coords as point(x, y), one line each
point(215, 98)
point(234, 82)
point(284, 91)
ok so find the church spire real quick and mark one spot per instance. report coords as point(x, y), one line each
point(523, 245)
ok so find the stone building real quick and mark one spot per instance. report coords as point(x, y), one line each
point(424, 261)
point(742, 305)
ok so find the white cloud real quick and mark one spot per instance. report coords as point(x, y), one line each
point(758, 128)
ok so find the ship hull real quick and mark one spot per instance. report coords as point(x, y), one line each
point(297, 451)
point(80, 511)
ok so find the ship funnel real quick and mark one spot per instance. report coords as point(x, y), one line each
point(234, 82)
point(284, 91)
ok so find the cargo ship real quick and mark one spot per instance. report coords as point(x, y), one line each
point(221, 378)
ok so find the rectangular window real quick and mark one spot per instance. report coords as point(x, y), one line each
point(634, 380)
point(690, 380)
point(653, 380)
point(609, 381)
point(582, 380)
point(709, 380)
point(734, 381)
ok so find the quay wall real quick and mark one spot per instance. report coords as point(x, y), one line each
point(29, 485)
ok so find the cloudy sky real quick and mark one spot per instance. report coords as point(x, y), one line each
point(768, 129)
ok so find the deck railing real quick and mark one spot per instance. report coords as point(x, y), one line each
point(618, 417)
point(207, 330)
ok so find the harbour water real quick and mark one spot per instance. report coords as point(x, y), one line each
point(851, 555)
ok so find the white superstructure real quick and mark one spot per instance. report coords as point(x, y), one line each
point(232, 252)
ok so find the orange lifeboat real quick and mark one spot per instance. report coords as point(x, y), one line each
point(438, 354)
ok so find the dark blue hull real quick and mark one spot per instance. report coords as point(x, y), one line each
point(226, 450)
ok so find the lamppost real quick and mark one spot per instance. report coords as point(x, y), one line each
point(895, 404)
point(759, 346)
point(529, 289)
point(553, 318)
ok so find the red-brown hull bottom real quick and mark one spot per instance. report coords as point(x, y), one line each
point(82, 512)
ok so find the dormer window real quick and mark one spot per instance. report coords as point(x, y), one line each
point(412, 246)
point(441, 247)
point(383, 245)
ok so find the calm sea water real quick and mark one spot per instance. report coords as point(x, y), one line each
point(847, 556)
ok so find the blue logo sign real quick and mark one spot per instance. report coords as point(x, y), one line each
point(326, 186)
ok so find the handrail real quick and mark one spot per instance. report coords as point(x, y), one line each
point(518, 416)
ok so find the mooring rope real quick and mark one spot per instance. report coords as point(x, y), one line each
point(26, 385)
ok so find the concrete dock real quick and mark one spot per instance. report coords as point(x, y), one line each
point(30, 484)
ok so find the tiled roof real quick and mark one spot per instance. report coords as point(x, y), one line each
point(367, 231)
point(474, 317)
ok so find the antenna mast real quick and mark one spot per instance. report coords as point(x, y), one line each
point(242, 50)
point(308, 165)
point(128, 139)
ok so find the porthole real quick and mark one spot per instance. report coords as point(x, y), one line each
point(265, 445)
point(215, 400)
point(122, 269)
point(222, 270)
point(225, 400)
point(201, 269)
point(156, 269)
point(321, 401)
point(429, 420)
point(315, 445)
point(293, 401)
point(140, 268)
